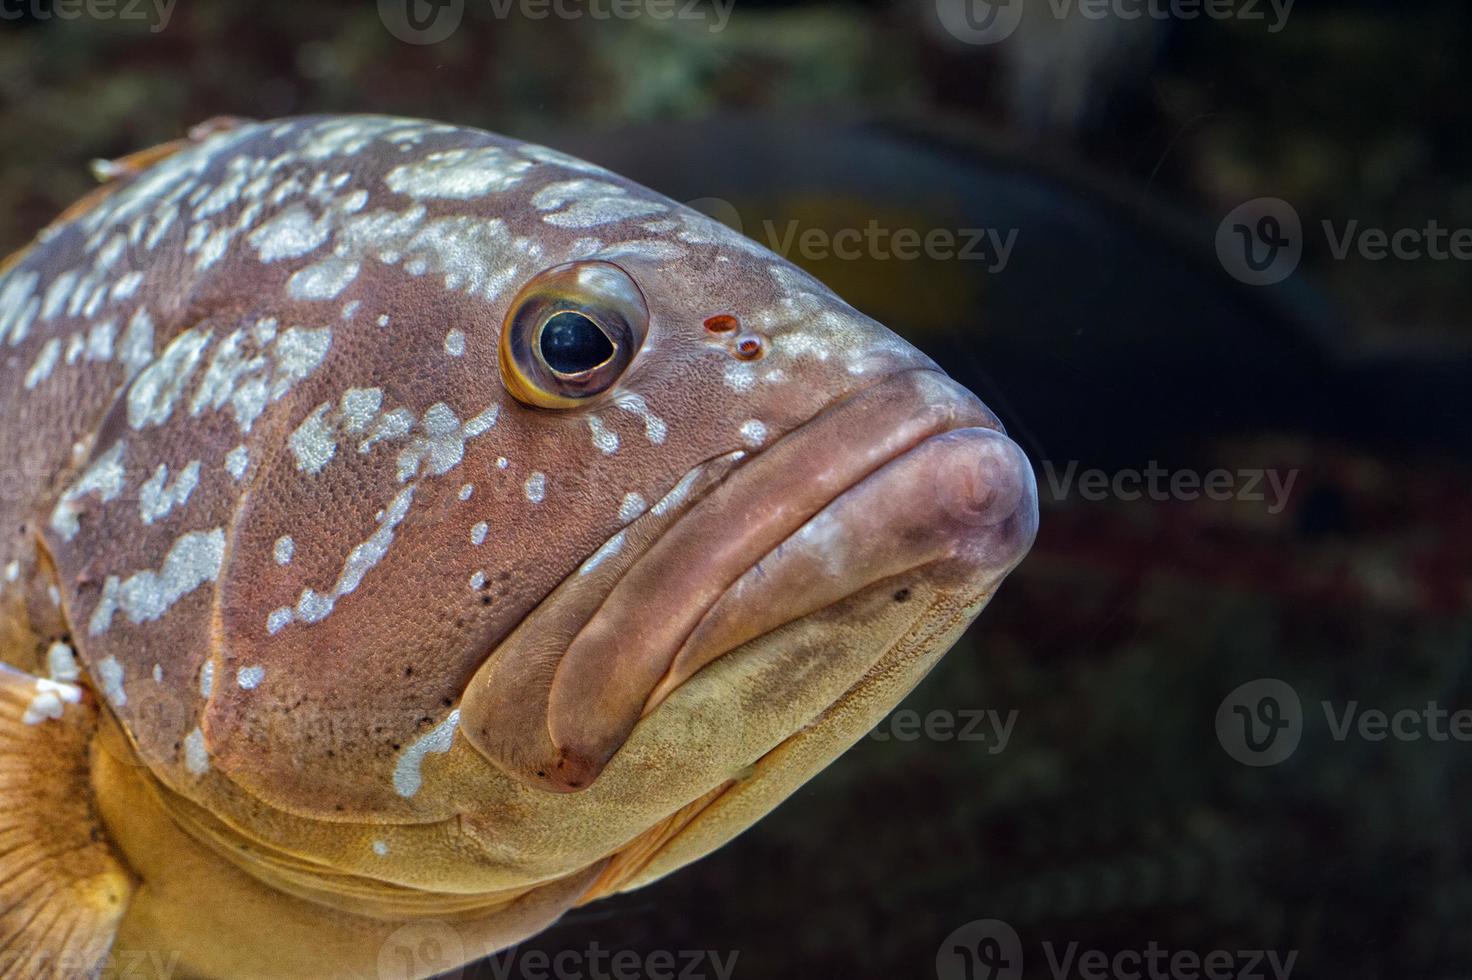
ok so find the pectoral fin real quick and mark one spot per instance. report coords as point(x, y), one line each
point(62, 889)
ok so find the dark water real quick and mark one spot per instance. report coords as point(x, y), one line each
point(1251, 429)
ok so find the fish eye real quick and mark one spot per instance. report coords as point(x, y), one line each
point(570, 343)
point(570, 334)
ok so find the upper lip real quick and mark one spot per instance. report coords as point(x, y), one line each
point(596, 674)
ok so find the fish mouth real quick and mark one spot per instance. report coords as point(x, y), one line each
point(910, 478)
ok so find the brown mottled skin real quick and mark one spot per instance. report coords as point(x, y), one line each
point(287, 795)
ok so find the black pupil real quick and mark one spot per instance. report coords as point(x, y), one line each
point(572, 344)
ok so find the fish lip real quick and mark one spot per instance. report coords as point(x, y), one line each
point(891, 416)
point(1009, 515)
point(556, 699)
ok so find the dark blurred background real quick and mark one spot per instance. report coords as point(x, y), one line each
point(1139, 320)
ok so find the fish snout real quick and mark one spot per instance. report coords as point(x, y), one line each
point(984, 498)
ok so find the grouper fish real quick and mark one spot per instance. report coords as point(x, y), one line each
point(410, 532)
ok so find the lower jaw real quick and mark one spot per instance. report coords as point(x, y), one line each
point(875, 686)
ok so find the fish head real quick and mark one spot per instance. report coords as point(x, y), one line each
point(563, 512)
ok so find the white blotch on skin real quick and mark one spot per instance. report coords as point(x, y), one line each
point(194, 559)
point(466, 491)
point(110, 674)
point(441, 446)
point(251, 369)
point(158, 497)
point(279, 620)
point(314, 442)
point(50, 701)
point(249, 678)
point(753, 433)
point(54, 594)
point(323, 280)
point(632, 506)
point(458, 174)
point(289, 235)
point(478, 533)
point(604, 438)
point(207, 679)
point(312, 606)
point(152, 396)
point(104, 478)
point(655, 429)
point(740, 377)
point(455, 343)
point(407, 775)
point(158, 673)
point(237, 461)
point(136, 349)
point(477, 581)
point(590, 203)
point(196, 756)
point(61, 662)
point(12, 571)
point(536, 487)
point(45, 363)
point(283, 549)
point(380, 848)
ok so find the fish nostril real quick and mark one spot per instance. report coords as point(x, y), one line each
point(749, 347)
point(722, 323)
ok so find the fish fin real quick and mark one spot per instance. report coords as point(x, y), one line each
point(62, 889)
point(138, 161)
point(110, 173)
